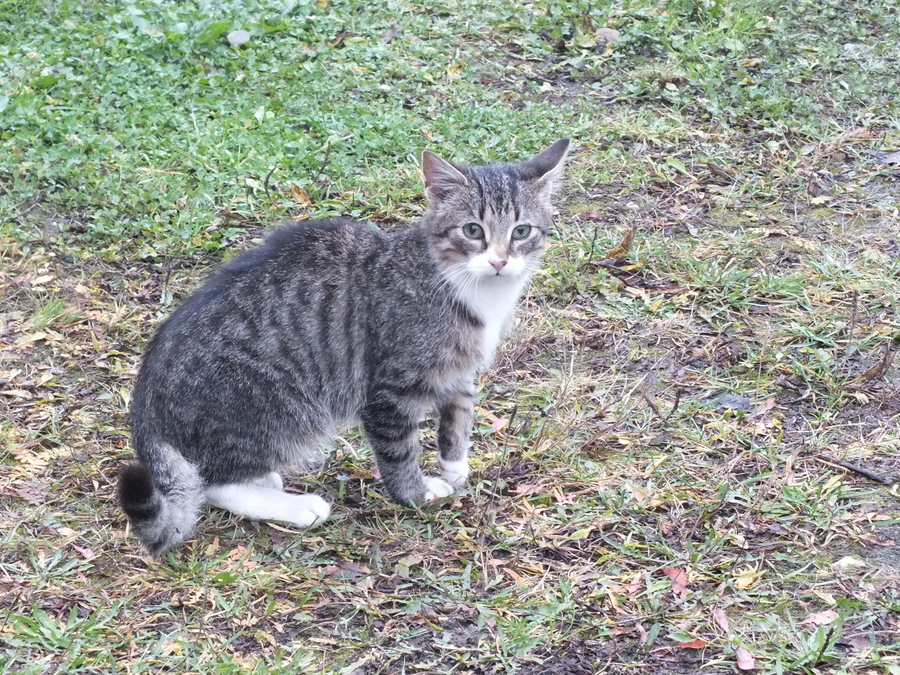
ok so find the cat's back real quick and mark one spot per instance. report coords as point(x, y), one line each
point(289, 308)
point(292, 266)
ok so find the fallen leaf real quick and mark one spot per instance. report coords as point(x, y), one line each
point(721, 619)
point(591, 215)
point(745, 660)
point(392, 32)
point(31, 492)
point(847, 564)
point(300, 195)
point(212, 548)
point(497, 423)
point(635, 584)
point(764, 408)
point(86, 553)
point(696, 643)
point(643, 497)
point(620, 252)
point(746, 578)
point(821, 618)
point(888, 157)
point(860, 642)
point(512, 575)
point(33, 337)
point(17, 393)
point(608, 35)
point(679, 580)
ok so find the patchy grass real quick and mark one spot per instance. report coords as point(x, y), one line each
point(659, 479)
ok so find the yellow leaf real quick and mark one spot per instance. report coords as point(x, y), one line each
point(747, 578)
point(300, 195)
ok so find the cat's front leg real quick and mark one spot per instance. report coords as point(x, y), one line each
point(392, 427)
point(457, 414)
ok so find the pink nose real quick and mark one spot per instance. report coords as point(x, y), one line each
point(498, 264)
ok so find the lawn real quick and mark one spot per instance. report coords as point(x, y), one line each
point(687, 452)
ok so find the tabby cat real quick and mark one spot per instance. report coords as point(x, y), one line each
point(327, 323)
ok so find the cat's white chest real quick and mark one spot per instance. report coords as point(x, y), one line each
point(494, 304)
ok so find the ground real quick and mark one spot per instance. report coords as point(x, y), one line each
point(687, 452)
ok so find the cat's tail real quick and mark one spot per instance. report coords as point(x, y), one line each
point(162, 499)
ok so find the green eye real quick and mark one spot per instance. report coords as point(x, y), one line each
point(521, 231)
point(473, 230)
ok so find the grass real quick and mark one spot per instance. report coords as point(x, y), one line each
point(658, 479)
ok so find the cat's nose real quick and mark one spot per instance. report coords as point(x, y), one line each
point(498, 264)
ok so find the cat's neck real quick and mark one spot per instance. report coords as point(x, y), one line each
point(493, 302)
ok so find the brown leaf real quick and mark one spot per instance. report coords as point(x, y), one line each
point(622, 630)
point(497, 423)
point(86, 553)
point(721, 619)
point(33, 493)
point(767, 405)
point(591, 215)
point(300, 195)
point(696, 643)
point(635, 584)
point(745, 660)
point(392, 32)
point(679, 580)
point(860, 642)
point(620, 252)
point(608, 35)
point(821, 618)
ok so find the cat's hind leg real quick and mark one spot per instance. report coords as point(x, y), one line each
point(269, 480)
point(258, 502)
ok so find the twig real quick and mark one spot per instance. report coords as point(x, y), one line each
point(324, 162)
point(591, 254)
point(663, 418)
point(855, 469)
point(852, 327)
point(678, 392)
point(879, 369)
point(824, 645)
point(266, 181)
point(653, 406)
point(10, 610)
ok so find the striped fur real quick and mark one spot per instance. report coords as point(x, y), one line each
point(328, 323)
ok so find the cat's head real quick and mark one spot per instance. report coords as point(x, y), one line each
point(490, 223)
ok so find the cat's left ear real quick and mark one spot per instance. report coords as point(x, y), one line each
point(546, 168)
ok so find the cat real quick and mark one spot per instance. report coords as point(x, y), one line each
point(327, 323)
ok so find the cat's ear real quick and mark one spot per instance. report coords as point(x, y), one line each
point(546, 169)
point(441, 177)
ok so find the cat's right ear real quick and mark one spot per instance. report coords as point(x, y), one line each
point(441, 177)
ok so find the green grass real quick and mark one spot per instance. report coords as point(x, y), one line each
point(673, 410)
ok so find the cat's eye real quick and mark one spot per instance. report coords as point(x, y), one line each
point(521, 231)
point(473, 230)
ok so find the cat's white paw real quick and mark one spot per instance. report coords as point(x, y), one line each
point(435, 488)
point(271, 480)
point(454, 473)
point(309, 510)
